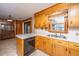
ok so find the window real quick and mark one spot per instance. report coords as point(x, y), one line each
point(58, 22)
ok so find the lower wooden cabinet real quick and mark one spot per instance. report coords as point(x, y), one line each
point(39, 43)
point(60, 50)
point(20, 47)
point(54, 47)
point(36, 42)
point(47, 46)
point(73, 52)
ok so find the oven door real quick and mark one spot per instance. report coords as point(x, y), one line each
point(29, 45)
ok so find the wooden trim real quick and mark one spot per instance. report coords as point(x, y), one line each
point(62, 13)
point(29, 20)
point(20, 46)
point(46, 9)
point(53, 7)
point(18, 26)
point(65, 24)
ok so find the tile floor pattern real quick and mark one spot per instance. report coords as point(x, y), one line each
point(38, 53)
point(8, 48)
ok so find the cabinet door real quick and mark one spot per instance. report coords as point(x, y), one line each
point(38, 21)
point(20, 47)
point(41, 43)
point(60, 50)
point(36, 42)
point(41, 21)
point(49, 46)
point(73, 52)
point(73, 15)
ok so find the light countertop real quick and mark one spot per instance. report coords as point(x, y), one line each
point(26, 36)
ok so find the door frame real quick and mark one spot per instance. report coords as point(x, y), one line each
point(25, 21)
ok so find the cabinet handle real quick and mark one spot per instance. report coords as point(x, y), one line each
point(69, 52)
point(70, 22)
point(66, 49)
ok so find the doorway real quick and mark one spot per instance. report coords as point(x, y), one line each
point(28, 26)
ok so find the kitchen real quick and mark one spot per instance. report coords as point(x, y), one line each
point(53, 30)
point(56, 31)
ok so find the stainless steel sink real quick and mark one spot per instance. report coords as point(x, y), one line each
point(57, 36)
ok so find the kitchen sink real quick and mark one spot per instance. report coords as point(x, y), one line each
point(57, 36)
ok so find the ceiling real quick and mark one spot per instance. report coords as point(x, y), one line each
point(21, 10)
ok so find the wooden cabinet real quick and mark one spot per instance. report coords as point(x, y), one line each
point(20, 47)
point(39, 43)
point(6, 30)
point(54, 47)
point(73, 49)
point(36, 42)
point(73, 16)
point(73, 52)
point(48, 46)
point(41, 18)
point(44, 44)
point(41, 21)
point(60, 50)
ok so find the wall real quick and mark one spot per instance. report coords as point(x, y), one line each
point(72, 33)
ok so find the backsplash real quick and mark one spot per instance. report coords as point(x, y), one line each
point(72, 35)
point(40, 31)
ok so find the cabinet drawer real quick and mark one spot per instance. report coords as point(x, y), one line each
point(61, 42)
point(73, 45)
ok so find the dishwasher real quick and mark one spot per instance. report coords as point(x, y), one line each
point(29, 46)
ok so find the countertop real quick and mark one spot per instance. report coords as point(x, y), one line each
point(26, 36)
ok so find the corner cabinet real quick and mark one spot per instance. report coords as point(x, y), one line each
point(73, 16)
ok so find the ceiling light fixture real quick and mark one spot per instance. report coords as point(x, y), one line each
point(9, 18)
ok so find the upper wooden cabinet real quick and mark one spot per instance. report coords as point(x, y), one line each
point(73, 52)
point(41, 21)
point(41, 18)
point(73, 16)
